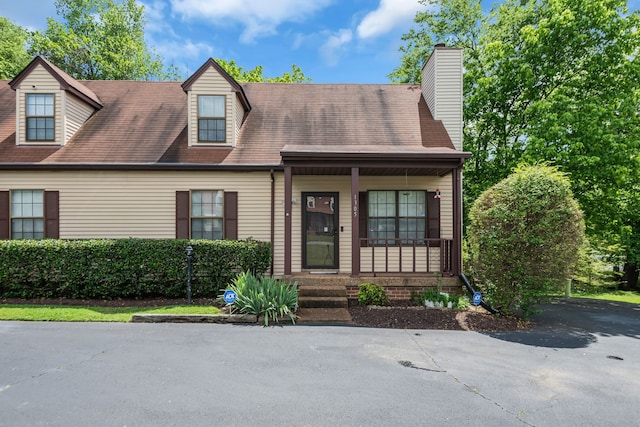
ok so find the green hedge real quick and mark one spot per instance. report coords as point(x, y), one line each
point(124, 268)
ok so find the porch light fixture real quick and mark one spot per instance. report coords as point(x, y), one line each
point(437, 196)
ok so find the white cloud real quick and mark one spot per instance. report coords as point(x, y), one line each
point(389, 15)
point(259, 17)
point(184, 49)
point(335, 45)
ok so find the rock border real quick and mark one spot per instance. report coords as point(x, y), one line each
point(194, 318)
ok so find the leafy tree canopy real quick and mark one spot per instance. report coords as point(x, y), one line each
point(13, 49)
point(256, 74)
point(550, 80)
point(100, 40)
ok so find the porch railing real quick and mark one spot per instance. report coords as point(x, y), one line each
point(404, 256)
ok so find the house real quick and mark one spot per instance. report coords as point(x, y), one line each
point(358, 181)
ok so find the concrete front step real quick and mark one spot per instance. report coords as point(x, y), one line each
point(322, 302)
point(322, 291)
point(324, 315)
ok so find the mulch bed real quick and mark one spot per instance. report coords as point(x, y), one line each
point(405, 315)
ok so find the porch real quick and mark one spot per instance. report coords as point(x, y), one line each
point(333, 221)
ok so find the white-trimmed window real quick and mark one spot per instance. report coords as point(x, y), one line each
point(212, 120)
point(40, 117)
point(397, 215)
point(27, 214)
point(207, 210)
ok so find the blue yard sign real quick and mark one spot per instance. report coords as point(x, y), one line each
point(477, 298)
point(230, 296)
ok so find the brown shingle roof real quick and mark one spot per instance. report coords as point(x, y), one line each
point(145, 123)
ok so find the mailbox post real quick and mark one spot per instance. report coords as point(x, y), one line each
point(189, 252)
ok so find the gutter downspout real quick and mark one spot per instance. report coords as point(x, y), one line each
point(470, 289)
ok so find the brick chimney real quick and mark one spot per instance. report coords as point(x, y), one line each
point(442, 89)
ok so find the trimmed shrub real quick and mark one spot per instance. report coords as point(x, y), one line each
point(524, 238)
point(124, 268)
point(372, 294)
point(265, 296)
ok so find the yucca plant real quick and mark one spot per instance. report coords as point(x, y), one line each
point(265, 296)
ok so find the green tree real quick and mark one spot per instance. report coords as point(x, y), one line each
point(13, 49)
point(100, 40)
point(257, 75)
point(552, 80)
point(524, 237)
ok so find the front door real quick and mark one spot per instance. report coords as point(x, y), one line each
point(320, 235)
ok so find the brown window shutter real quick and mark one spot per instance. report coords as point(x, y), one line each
point(364, 216)
point(231, 215)
point(182, 214)
point(433, 216)
point(52, 214)
point(5, 210)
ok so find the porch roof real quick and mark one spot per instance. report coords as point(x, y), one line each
point(386, 160)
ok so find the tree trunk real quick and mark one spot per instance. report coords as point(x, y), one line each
point(630, 277)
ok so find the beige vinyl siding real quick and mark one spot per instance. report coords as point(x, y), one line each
point(239, 109)
point(75, 113)
point(442, 89)
point(211, 83)
point(120, 204)
point(44, 83)
point(428, 84)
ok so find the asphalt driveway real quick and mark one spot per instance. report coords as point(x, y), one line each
point(578, 367)
point(577, 323)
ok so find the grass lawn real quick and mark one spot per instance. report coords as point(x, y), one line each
point(622, 296)
point(57, 313)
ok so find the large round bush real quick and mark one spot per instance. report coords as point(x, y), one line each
point(524, 237)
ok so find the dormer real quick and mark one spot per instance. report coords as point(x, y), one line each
point(217, 106)
point(50, 105)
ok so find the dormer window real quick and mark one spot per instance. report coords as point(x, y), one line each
point(40, 117)
point(212, 121)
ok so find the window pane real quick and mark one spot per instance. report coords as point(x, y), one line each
point(382, 203)
point(27, 228)
point(211, 106)
point(40, 129)
point(40, 104)
point(27, 203)
point(411, 203)
point(218, 106)
point(412, 228)
point(206, 229)
point(206, 203)
point(16, 207)
point(382, 229)
point(211, 130)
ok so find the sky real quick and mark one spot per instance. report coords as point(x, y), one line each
point(332, 41)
